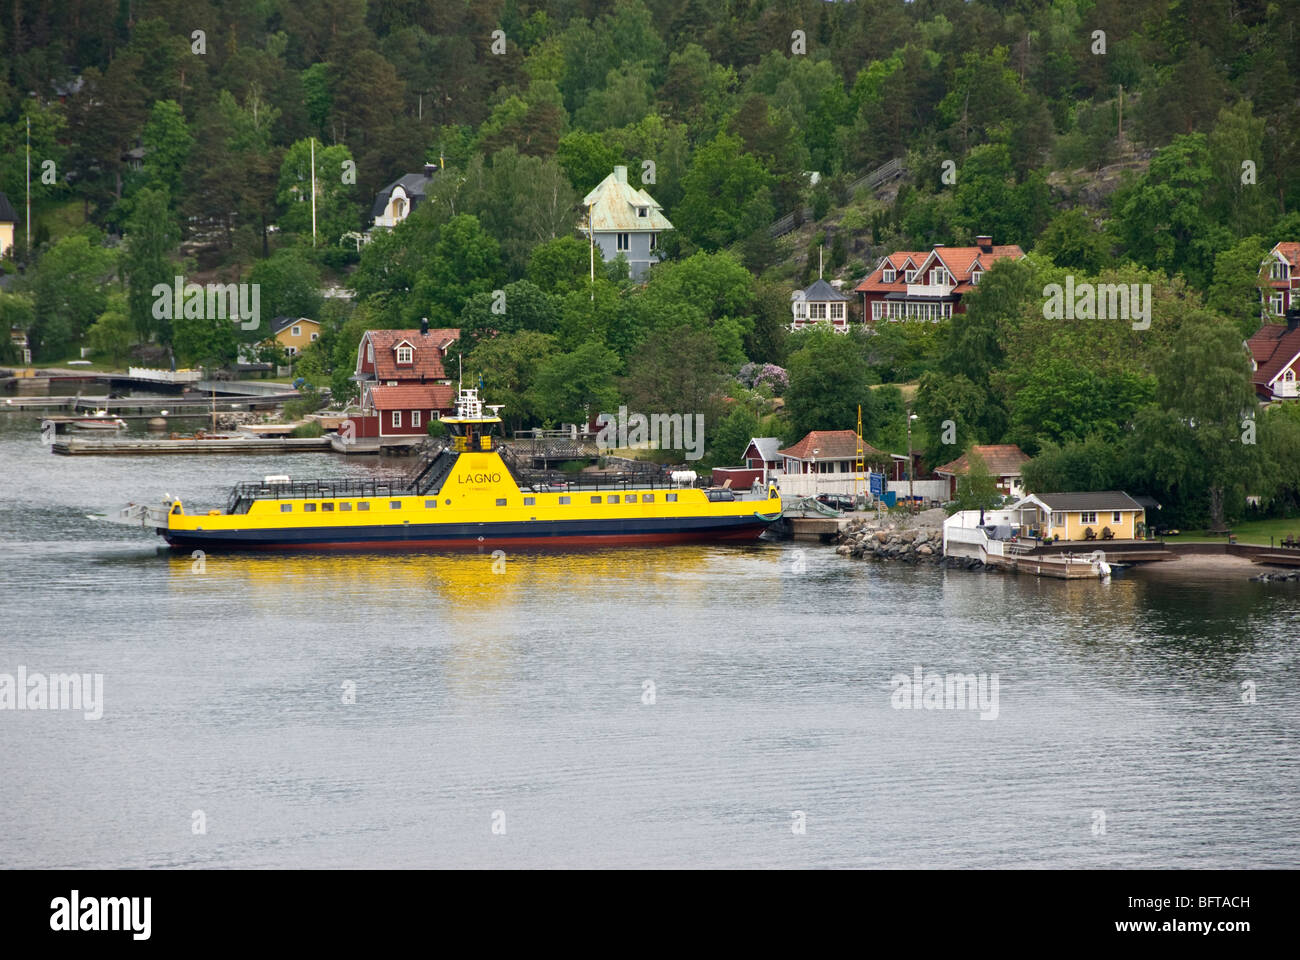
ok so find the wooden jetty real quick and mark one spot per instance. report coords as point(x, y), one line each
point(77, 446)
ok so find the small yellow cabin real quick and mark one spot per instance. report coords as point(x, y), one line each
point(295, 334)
point(1104, 515)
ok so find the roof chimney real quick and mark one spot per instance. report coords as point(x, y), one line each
point(620, 174)
point(430, 169)
point(938, 245)
point(424, 326)
point(985, 243)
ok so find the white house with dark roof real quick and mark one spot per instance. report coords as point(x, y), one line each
point(395, 202)
point(626, 220)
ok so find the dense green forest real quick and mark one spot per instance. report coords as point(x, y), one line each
point(1136, 141)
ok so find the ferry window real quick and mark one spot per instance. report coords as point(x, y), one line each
point(564, 499)
point(394, 504)
point(595, 499)
point(430, 504)
point(647, 498)
point(328, 507)
point(309, 508)
point(286, 508)
point(501, 501)
point(530, 501)
point(630, 498)
point(363, 505)
point(613, 498)
point(670, 497)
point(345, 507)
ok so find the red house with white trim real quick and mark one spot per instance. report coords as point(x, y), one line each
point(910, 285)
point(1275, 359)
point(403, 381)
point(1280, 280)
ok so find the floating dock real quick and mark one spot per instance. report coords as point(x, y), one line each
point(77, 446)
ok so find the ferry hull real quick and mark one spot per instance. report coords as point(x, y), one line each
point(576, 533)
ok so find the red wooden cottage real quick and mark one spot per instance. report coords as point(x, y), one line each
point(1280, 275)
point(404, 381)
point(909, 285)
point(1275, 359)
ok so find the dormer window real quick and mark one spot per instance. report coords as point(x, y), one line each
point(888, 275)
point(1280, 270)
point(404, 354)
point(643, 211)
point(975, 276)
point(909, 276)
point(938, 276)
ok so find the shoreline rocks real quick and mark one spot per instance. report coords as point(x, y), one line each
point(916, 539)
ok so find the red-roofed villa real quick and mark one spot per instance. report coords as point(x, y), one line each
point(910, 285)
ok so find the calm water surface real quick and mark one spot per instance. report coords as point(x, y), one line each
point(519, 696)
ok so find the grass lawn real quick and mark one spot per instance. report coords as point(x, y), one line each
point(1251, 531)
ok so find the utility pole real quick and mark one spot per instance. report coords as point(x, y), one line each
point(911, 470)
point(591, 239)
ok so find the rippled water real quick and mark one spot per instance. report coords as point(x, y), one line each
point(519, 696)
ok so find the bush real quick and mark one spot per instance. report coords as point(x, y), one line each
point(311, 428)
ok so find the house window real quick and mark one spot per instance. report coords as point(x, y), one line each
point(1279, 271)
point(1058, 519)
point(399, 208)
point(909, 276)
point(888, 275)
point(397, 418)
point(947, 309)
point(817, 311)
point(877, 310)
point(315, 337)
point(370, 352)
point(403, 354)
point(642, 211)
point(1088, 516)
point(975, 276)
point(296, 331)
point(1114, 517)
point(654, 241)
point(837, 311)
point(1276, 302)
point(1288, 377)
point(938, 276)
point(290, 351)
point(623, 241)
point(415, 418)
point(564, 499)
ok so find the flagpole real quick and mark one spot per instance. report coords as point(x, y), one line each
point(313, 191)
point(29, 187)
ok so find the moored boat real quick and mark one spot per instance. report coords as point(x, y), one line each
point(466, 495)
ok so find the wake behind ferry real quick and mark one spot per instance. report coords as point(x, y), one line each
point(465, 495)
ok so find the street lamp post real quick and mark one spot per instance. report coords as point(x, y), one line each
point(911, 469)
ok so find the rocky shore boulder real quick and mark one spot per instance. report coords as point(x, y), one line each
point(915, 539)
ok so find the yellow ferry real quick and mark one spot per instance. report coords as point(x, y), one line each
point(465, 495)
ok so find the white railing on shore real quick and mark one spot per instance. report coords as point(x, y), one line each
point(164, 376)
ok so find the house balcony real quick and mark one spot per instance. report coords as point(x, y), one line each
point(929, 289)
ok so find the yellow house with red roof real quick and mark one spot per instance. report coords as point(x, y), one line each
point(914, 285)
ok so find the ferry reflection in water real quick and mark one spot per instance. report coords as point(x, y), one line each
point(465, 614)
